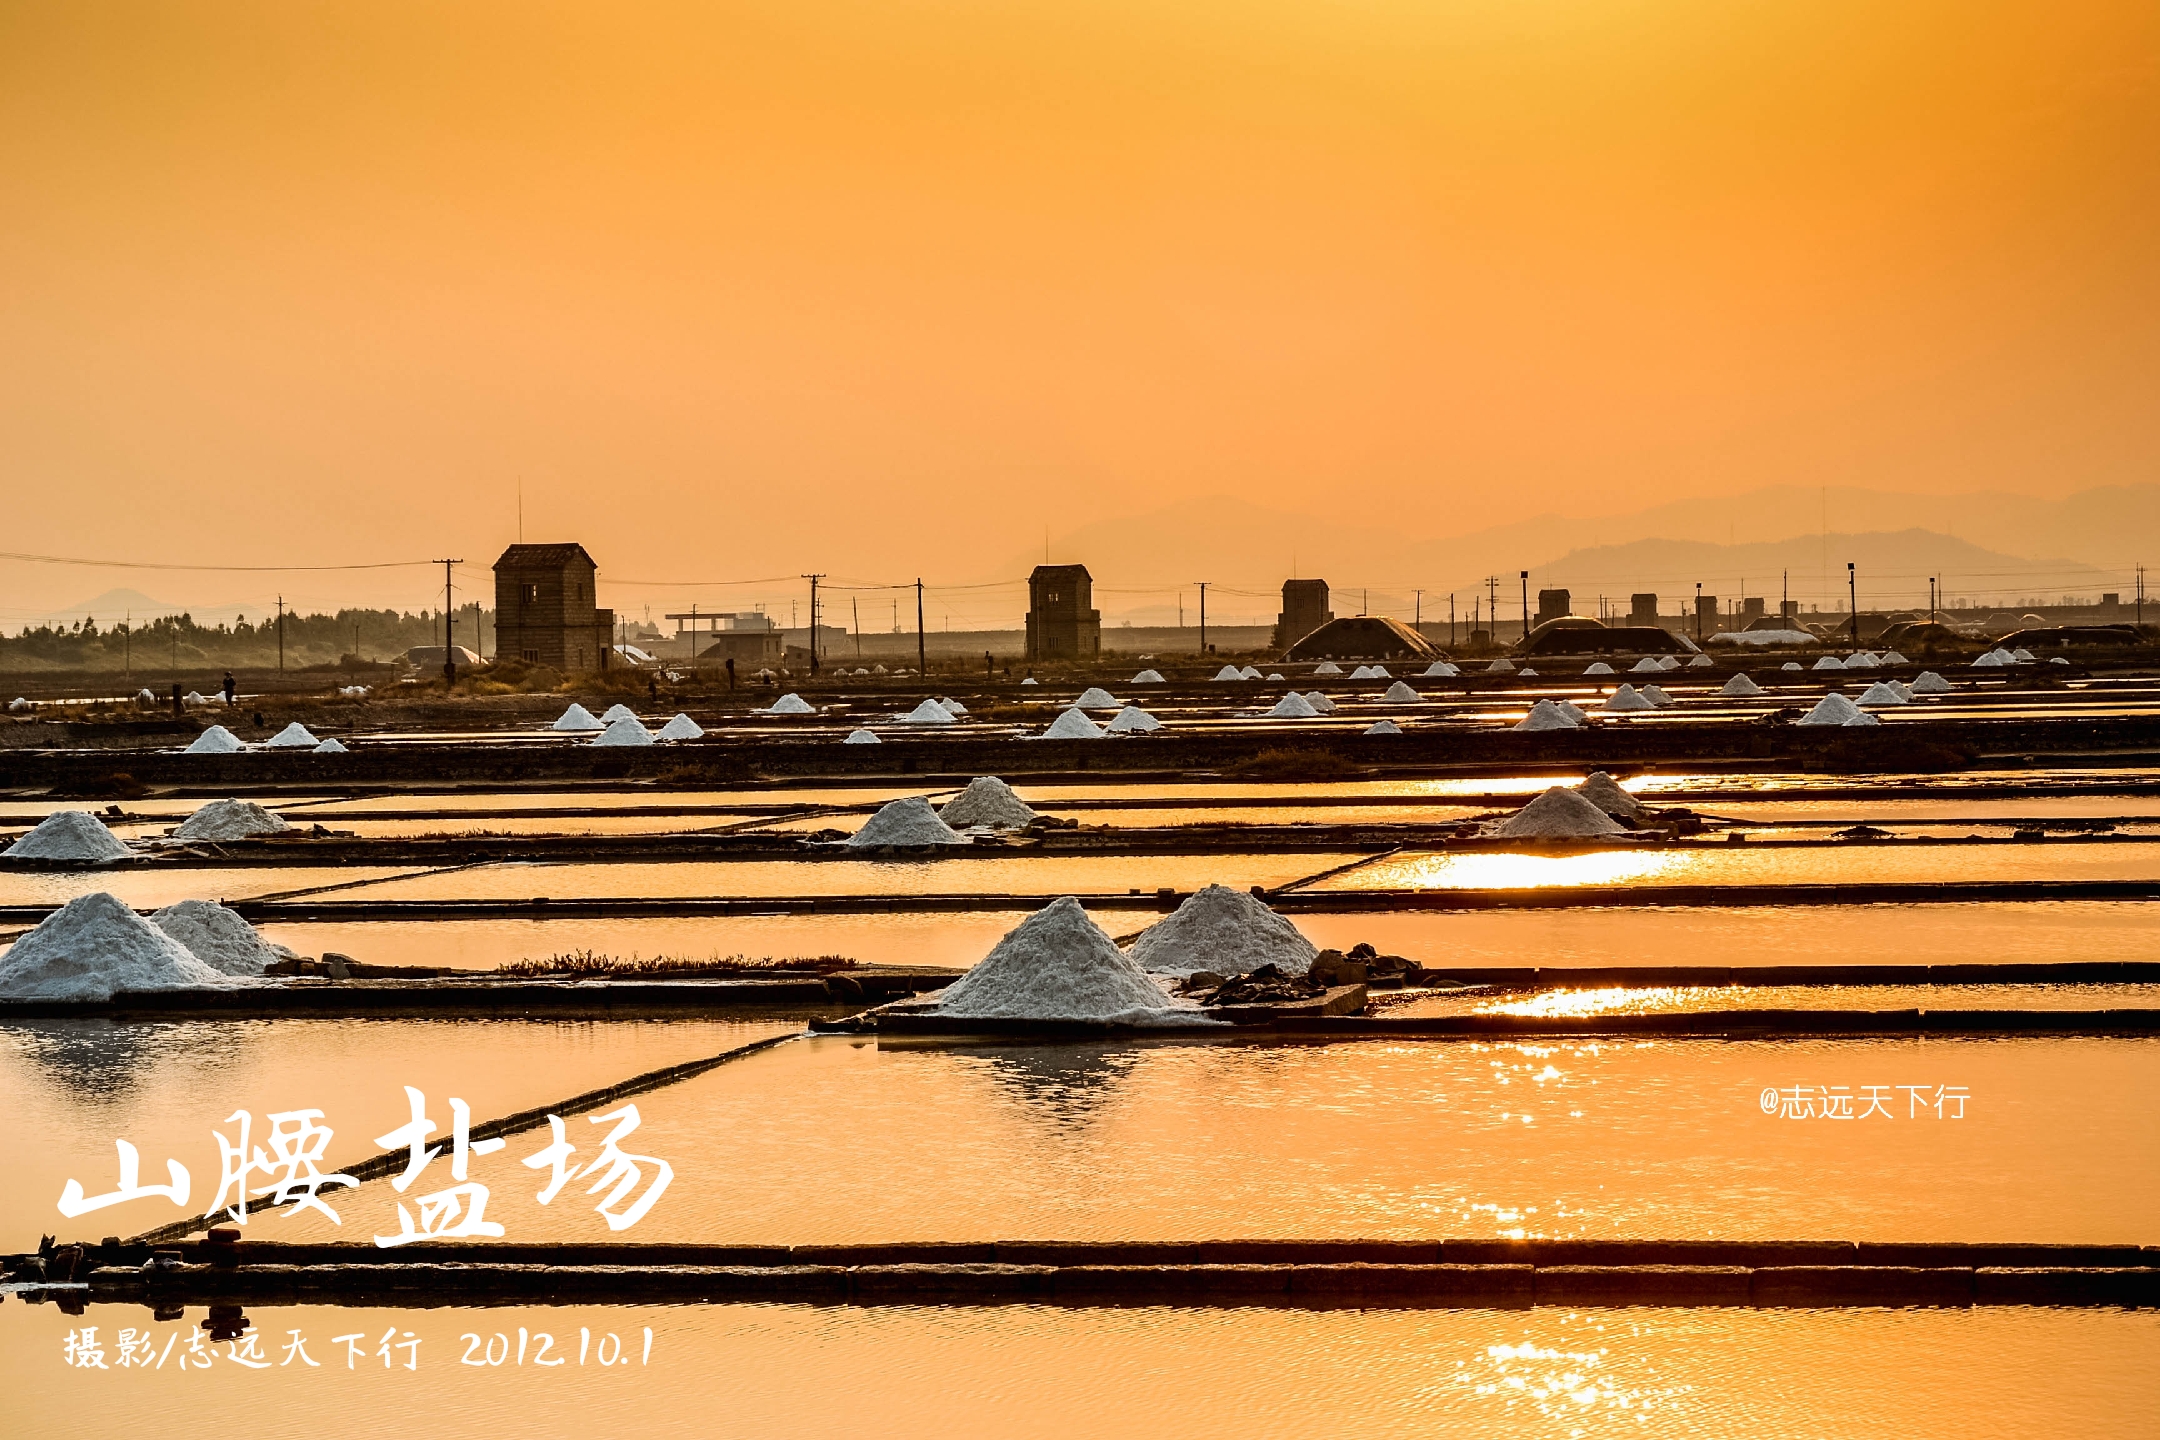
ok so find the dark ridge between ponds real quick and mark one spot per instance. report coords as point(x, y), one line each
point(1715, 1024)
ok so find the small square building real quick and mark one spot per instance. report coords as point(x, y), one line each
point(547, 611)
point(1304, 610)
point(1062, 623)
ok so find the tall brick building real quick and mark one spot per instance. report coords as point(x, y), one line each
point(1304, 610)
point(1062, 623)
point(546, 611)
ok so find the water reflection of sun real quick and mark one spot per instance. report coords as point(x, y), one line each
point(1489, 871)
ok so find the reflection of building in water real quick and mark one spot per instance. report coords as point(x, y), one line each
point(102, 1060)
point(1068, 1084)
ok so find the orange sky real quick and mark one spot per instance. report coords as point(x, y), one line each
point(885, 288)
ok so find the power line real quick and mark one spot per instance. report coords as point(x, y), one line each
point(174, 565)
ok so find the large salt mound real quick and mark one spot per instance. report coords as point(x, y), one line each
point(217, 740)
point(1072, 725)
point(1604, 792)
point(332, 746)
point(577, 717)
point(1320, 703)
point(1400, 693)
point(69, 835)
point(1558, 814)
point(1133, 720)
point(1545, 715)
point(1574, 711)
point(1927, 682)
point(1229, 672)
point(1701, 662)
point(218, 937)
point(627, 731)
point(1882, 692)
point(1893, 658)
point(2021, 655)
point(1656, 695)
point(618, 712)
point(293, 737)
point(1597, 667)
point(1055, 965)
point(1833, 709)
point(1147, 677)
point(1829, 662)
point(1862, 660)
point(1250, 672)
point(1627, 698)
point(1363, 672)
point(791, 704)
point(1740, 685)
point(682, 727)
point(1329, 667)
point(952, 707)
point(909, 821)
point(1096, 698)
point(927, 713)
point(1223, 930)
point(1293, 706)
point(94, 946)
point(1646, 664)
point(986, 801)
point(862, 737)
point(1383, 727)
point(229, 820)
point(1439, 668)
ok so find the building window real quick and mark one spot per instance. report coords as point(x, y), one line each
point(532, 657)
point(1051, 598)
point(529, 594)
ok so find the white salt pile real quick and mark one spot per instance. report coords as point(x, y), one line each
point(1228, 672)
point(1861, 660)
point(1224, 930)
point(682, 727)
point(69, 835)
point(877, 669)
point(1601, 790)
point(19, 704)
point(1829, 662)
point(1558, 814)
point(146, 696)
point(1861, 717)
point(1740, 685)
point(986, 801)
point(862, 737)
point(217, 740)
point(627, 731)
point(1833, 709)
point(353, 692)
point(618, 712)
point(793, 704)
point(1072, 725)
point(1274, 675)
point(1700, 661)
point(1400, 693)
point(192, 699)
point(1056, 965)
point(1790, 665)
point(1293, 706)
point(1546, 715)
point(1133, 720)
point(1669, 662)
point(1656, 695)
point(2021, 655)
point(1994, 659)
point(293, 737)
point(577, 717)
point(1624, 699)
point(1249, 673)
point(229, 820)
point(1574, 711)
point(332, 746)
point(218, 937)
point(1905, 692)
point(1096, 698)
point(1527, 673)
point(1501, 666)
point(1363, 672)
point(1383, 727)
point(1328, 667)
point(94, 946)
point(1147, 677)
point(1881, 693)
point(1597, 667)
point(927, 713)
point(2058, 660)
point(1030, 680)
point(952, 707)
point(1441, 669)
point(1379, 672)
point(908, 822)
point(1893, 658)
point(1646, 664)
point(1320, 703)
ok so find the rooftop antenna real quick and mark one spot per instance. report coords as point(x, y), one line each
point(521, 509)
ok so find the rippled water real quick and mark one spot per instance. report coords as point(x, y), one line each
point(1817, 864)
point(1682, 999)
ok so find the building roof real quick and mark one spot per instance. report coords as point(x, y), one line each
point(1059, 572)
point(1362, 637)
point(543, 555)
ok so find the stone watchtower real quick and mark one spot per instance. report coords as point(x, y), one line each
point(546, 611)
point(1304, 610)
point(1061, 623)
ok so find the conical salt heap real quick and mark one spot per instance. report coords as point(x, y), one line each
point(295, 736)
point(1224, 930)
point(229, 820)
point(1327, 667)
point(906, 822)
point(1096, 698)
point(69, 835)
point(1832, 709)
point(218, 937)
point(92, 947)
point(1320, 703)
point(627, 731)
point(1597, 667)
point(1647, 663)
point(1148, 677)
point(859, 736)
point(1656, 695)
point(682, 727)
point(618, 712)
point(332, 746)
point(1604, 792)
point(928, 713)
point(1055, 965)
point(1545, 715)
point(1132, 720)
point(1627, 698)
point(1558, 814)
point(1072, 725)
point(1293, 706)
point(1927, 682)
point(791, 704)
point(1229, 672)
point(1400, 693)
point(577, 717)
point(1882, 692)
point(217, 740)
point(1740, 685)
point(986, 801)
point(1383, 727)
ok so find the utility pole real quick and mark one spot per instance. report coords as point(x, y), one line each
point(1525, 605)
point(449, 656)
point(813, 579)
point(1417, 613)
point(281, 637)
point(1492, 606)
point(922, 651)
point(1203, 615)
point(1698, 612)
point(1852, 591)
point(1451, 619)
point(855, 609)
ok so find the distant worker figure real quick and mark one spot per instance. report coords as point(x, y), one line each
point(176, 702)
point(989, 670)
point(731, 672)
point(652, 687)
point(232, 691)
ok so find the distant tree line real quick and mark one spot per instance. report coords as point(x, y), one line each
point(177, 642)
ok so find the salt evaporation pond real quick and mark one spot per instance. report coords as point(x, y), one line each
point(1048, 1373)
point(75, 1086)
point(1710, 999)
point(1825, 863)
point(841, 1140)
point(154, 887)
